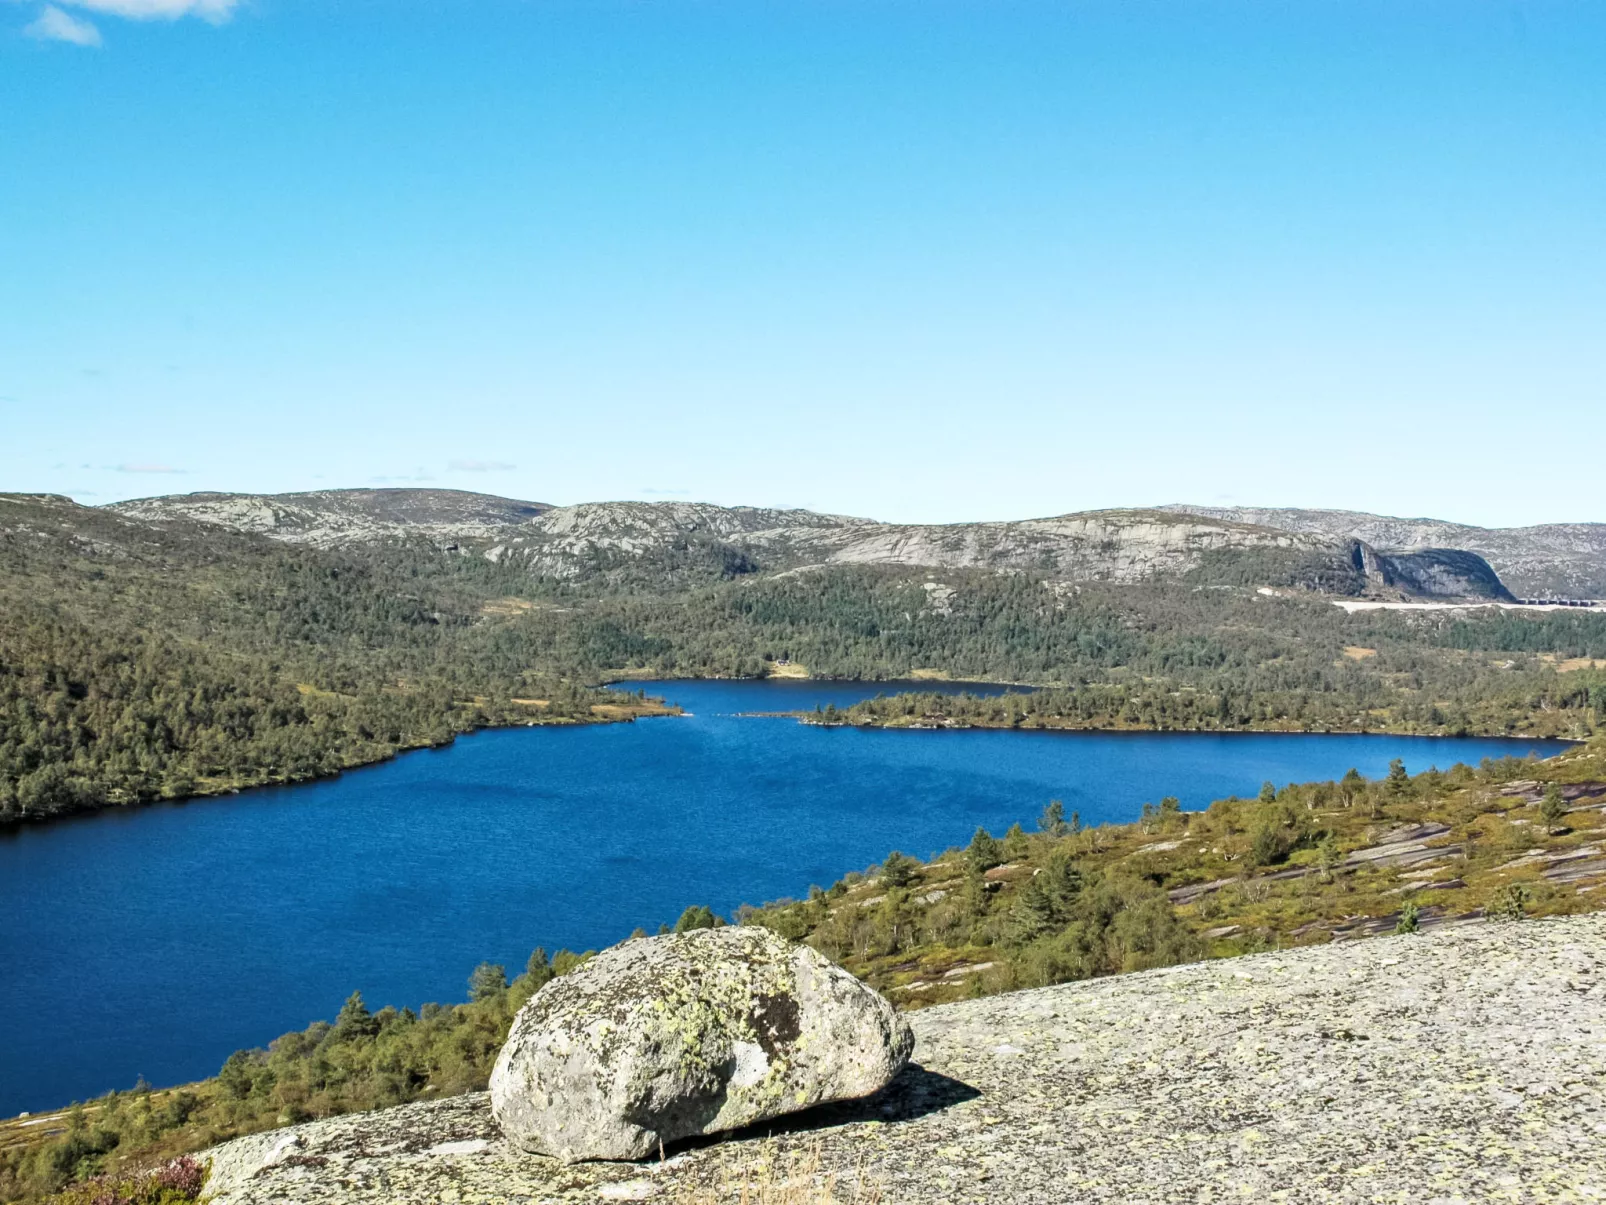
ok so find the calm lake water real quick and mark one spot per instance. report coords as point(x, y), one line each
point(155, 942)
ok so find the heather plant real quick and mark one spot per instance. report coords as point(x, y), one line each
point(177, 1182)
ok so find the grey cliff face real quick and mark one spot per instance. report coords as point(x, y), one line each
point(664, 1038)
point(1568, 559)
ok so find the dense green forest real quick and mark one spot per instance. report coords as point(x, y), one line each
point(143, 660)
point(1161, 654)
point(1297, 864)
point(146, 661)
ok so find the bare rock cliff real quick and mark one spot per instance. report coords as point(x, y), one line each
point(597, 539)
point(1567, 559)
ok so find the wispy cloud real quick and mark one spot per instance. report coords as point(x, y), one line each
point(657, 493)
point(53, 25)
point(142, 467)
point(215, 11)
point(481, 466)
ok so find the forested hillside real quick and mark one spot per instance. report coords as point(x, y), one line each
point(141, 662)
point(1160, 655)
point(147, 659)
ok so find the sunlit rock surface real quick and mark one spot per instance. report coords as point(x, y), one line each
point(1462, 1065)
point(664, 1038)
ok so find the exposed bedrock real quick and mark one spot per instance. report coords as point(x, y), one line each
point(1466, 1064)
point(672, 1037)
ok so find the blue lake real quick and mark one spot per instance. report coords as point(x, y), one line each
point(156, 941)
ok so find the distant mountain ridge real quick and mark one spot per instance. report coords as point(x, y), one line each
point(1561, 559)
point(326, 518)
point(631, 539)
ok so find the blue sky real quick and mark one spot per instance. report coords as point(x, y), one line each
point(922, 260)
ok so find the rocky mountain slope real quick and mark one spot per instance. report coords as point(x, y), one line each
point(327, 518)
point(1565, 559)
point(626, 538)
point(1465, 1064)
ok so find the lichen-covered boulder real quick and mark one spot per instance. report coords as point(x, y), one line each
point(667, 1037)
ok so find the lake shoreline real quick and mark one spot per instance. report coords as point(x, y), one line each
point(223, 925)
point(809, 718)
point(813, 720)
point(220, 788)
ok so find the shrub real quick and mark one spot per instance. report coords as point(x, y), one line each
point(699, 916)
point(1408, 919)
point(1509, 903)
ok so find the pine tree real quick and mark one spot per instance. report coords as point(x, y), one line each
point(984, 850)
point(1552, 808)
point(487, 981)
point(354, 1020)
point(1052, 821)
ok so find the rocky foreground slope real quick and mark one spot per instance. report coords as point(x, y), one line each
point(1463, 1065)
point(596, 538)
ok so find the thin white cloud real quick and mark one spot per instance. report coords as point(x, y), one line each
point(53, 25)
point(215, 11)
point(481, 466)
point(147, 468)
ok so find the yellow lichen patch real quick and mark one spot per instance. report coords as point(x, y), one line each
point(769, 1177)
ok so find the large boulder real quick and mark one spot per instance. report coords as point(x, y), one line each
point(693, 1033)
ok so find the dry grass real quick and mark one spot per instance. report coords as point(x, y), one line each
point(765, 1177)
point(507, 606)
point(1356, 652)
